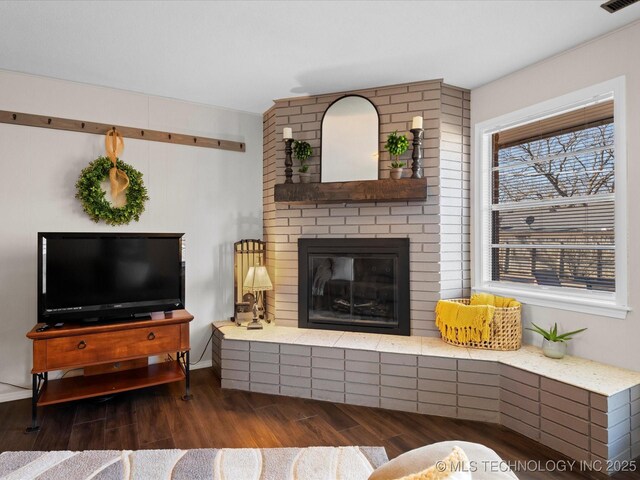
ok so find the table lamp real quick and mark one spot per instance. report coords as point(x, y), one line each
point(257, 281)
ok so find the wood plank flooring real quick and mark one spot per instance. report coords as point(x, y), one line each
point(157, 418)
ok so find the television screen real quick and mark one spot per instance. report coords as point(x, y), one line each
point(106, 275)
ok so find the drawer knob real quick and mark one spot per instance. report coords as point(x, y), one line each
point(151, 336)
point(82, 345)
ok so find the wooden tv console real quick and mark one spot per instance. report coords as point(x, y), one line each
point(121, 344)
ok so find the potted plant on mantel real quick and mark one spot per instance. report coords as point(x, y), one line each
point(303, 173)
point(302, 151)
point(396, 145)
point(396, 169)
point(554, 345)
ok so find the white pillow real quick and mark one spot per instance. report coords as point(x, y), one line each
point(454, 466)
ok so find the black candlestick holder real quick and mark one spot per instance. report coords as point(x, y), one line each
point(416, 165)
point(288, 161)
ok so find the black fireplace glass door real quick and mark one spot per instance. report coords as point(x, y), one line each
point(354, 289)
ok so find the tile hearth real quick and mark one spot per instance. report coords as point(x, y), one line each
point(593, 376)
point(584, 409)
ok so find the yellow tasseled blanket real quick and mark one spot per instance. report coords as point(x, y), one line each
point(494, 300)
point(470, 323)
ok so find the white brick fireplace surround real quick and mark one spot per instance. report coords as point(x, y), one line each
point(586, 410)
point(438, 228)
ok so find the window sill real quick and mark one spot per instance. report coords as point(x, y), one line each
point(591, 303)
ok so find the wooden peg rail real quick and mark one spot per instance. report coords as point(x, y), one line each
point(30, 120)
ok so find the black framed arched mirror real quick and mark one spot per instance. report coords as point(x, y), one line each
point(350, 140)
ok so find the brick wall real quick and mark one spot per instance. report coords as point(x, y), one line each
point(438, 228)
point(454, 201)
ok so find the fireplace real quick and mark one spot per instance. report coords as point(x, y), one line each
point(354, 284)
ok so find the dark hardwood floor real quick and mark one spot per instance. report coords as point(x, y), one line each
point(157, 418)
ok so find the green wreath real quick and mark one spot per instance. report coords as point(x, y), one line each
point(93, 199)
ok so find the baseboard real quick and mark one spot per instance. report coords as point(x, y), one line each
point(16, 395)
point(202, 364)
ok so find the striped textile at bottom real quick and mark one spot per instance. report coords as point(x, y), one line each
point(313, 463)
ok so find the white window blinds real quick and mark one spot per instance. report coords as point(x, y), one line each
point(552, 206)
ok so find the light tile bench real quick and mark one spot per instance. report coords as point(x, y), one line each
point(587, 410)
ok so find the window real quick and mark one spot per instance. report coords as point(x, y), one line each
point(551, 216)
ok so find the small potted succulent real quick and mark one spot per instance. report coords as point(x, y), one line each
point(554, 345)
point(302, 151)
point(303, 173)
point(396, 145)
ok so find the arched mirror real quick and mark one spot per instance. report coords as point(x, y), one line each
point(350, 131)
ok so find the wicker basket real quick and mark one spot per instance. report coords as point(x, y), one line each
point(506, 329)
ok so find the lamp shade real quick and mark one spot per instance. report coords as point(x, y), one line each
point(257, 279)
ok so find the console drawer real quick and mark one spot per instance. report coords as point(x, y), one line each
point(94, 348)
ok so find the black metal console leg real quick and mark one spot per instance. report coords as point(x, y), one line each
point(34, 405)
point(187, 379)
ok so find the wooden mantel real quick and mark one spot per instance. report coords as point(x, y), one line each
point(384, 190)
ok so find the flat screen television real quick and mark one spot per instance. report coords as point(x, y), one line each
point(107, 276)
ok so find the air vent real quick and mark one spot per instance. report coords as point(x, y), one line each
point(612, 6)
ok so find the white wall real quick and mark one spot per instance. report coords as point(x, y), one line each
point(607, 340)
point(214, 196)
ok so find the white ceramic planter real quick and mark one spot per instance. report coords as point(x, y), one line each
point(554, 349)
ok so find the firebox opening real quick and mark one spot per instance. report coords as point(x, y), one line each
point(354, 284)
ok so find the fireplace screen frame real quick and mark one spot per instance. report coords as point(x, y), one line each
point(397, 247)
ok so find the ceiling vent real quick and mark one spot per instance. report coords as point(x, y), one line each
point(612, 6)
